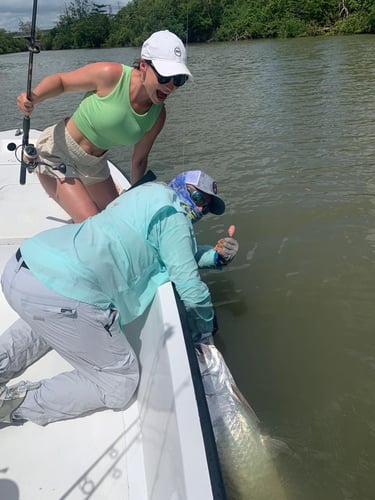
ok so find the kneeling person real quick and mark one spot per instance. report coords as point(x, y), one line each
point(76, 288)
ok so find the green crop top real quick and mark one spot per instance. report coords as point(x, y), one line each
point(111, 121)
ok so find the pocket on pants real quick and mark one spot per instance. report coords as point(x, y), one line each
point(39, 311)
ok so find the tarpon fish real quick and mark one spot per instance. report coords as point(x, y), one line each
point(245, 457)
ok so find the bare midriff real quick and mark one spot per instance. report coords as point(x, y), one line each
point(81, 140)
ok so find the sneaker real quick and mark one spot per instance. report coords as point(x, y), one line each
point(10, 399)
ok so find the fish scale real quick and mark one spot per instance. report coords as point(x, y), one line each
point(244, 453)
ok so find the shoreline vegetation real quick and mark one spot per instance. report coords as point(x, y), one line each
point(86, 24)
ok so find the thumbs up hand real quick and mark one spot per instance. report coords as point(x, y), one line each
point(227, 248)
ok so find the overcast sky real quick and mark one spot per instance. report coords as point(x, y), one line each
point(48, 11)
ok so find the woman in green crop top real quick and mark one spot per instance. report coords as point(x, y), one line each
point(123, 105)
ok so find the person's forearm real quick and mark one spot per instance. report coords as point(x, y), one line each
point(138, 170)
point(49, 87)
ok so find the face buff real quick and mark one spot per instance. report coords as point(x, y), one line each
point(178, 185)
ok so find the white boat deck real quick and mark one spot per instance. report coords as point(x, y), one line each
point(153, 450)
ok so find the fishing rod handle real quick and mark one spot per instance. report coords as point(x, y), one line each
point(23, 173)
point(25, 143)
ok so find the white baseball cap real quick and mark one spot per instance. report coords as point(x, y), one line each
point(167, 53)
point(208, 185)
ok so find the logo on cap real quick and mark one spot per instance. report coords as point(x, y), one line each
point(177, 51)
point(214, 187)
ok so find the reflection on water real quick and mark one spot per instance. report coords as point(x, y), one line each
point(287, 127)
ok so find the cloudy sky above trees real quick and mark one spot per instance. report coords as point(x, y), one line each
point(12, 12)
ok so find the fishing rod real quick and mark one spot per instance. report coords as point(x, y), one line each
point(29, 153)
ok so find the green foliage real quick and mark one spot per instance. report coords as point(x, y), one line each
point(371, 20)
point(85, 24)
point(91, 31)
point(10, 44)
point(355, 23)
point(290, 27)
point(291, 18)
point(82, 25)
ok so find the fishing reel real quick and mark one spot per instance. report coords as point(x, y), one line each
point(29, 158)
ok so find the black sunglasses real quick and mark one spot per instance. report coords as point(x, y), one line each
point(178, 80)
point(199, 199)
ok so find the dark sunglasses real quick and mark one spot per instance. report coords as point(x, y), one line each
point(199, 199)
point(178, 80)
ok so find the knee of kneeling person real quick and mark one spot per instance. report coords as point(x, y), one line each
point(122, 392)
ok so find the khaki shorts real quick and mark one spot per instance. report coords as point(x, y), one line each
point(56, 147)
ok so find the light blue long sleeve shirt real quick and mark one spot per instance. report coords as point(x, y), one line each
point(120, 257)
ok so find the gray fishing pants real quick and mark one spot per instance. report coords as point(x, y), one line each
point(105, 369)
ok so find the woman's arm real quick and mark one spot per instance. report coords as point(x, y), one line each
point(100, 77)
point(143, 147)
